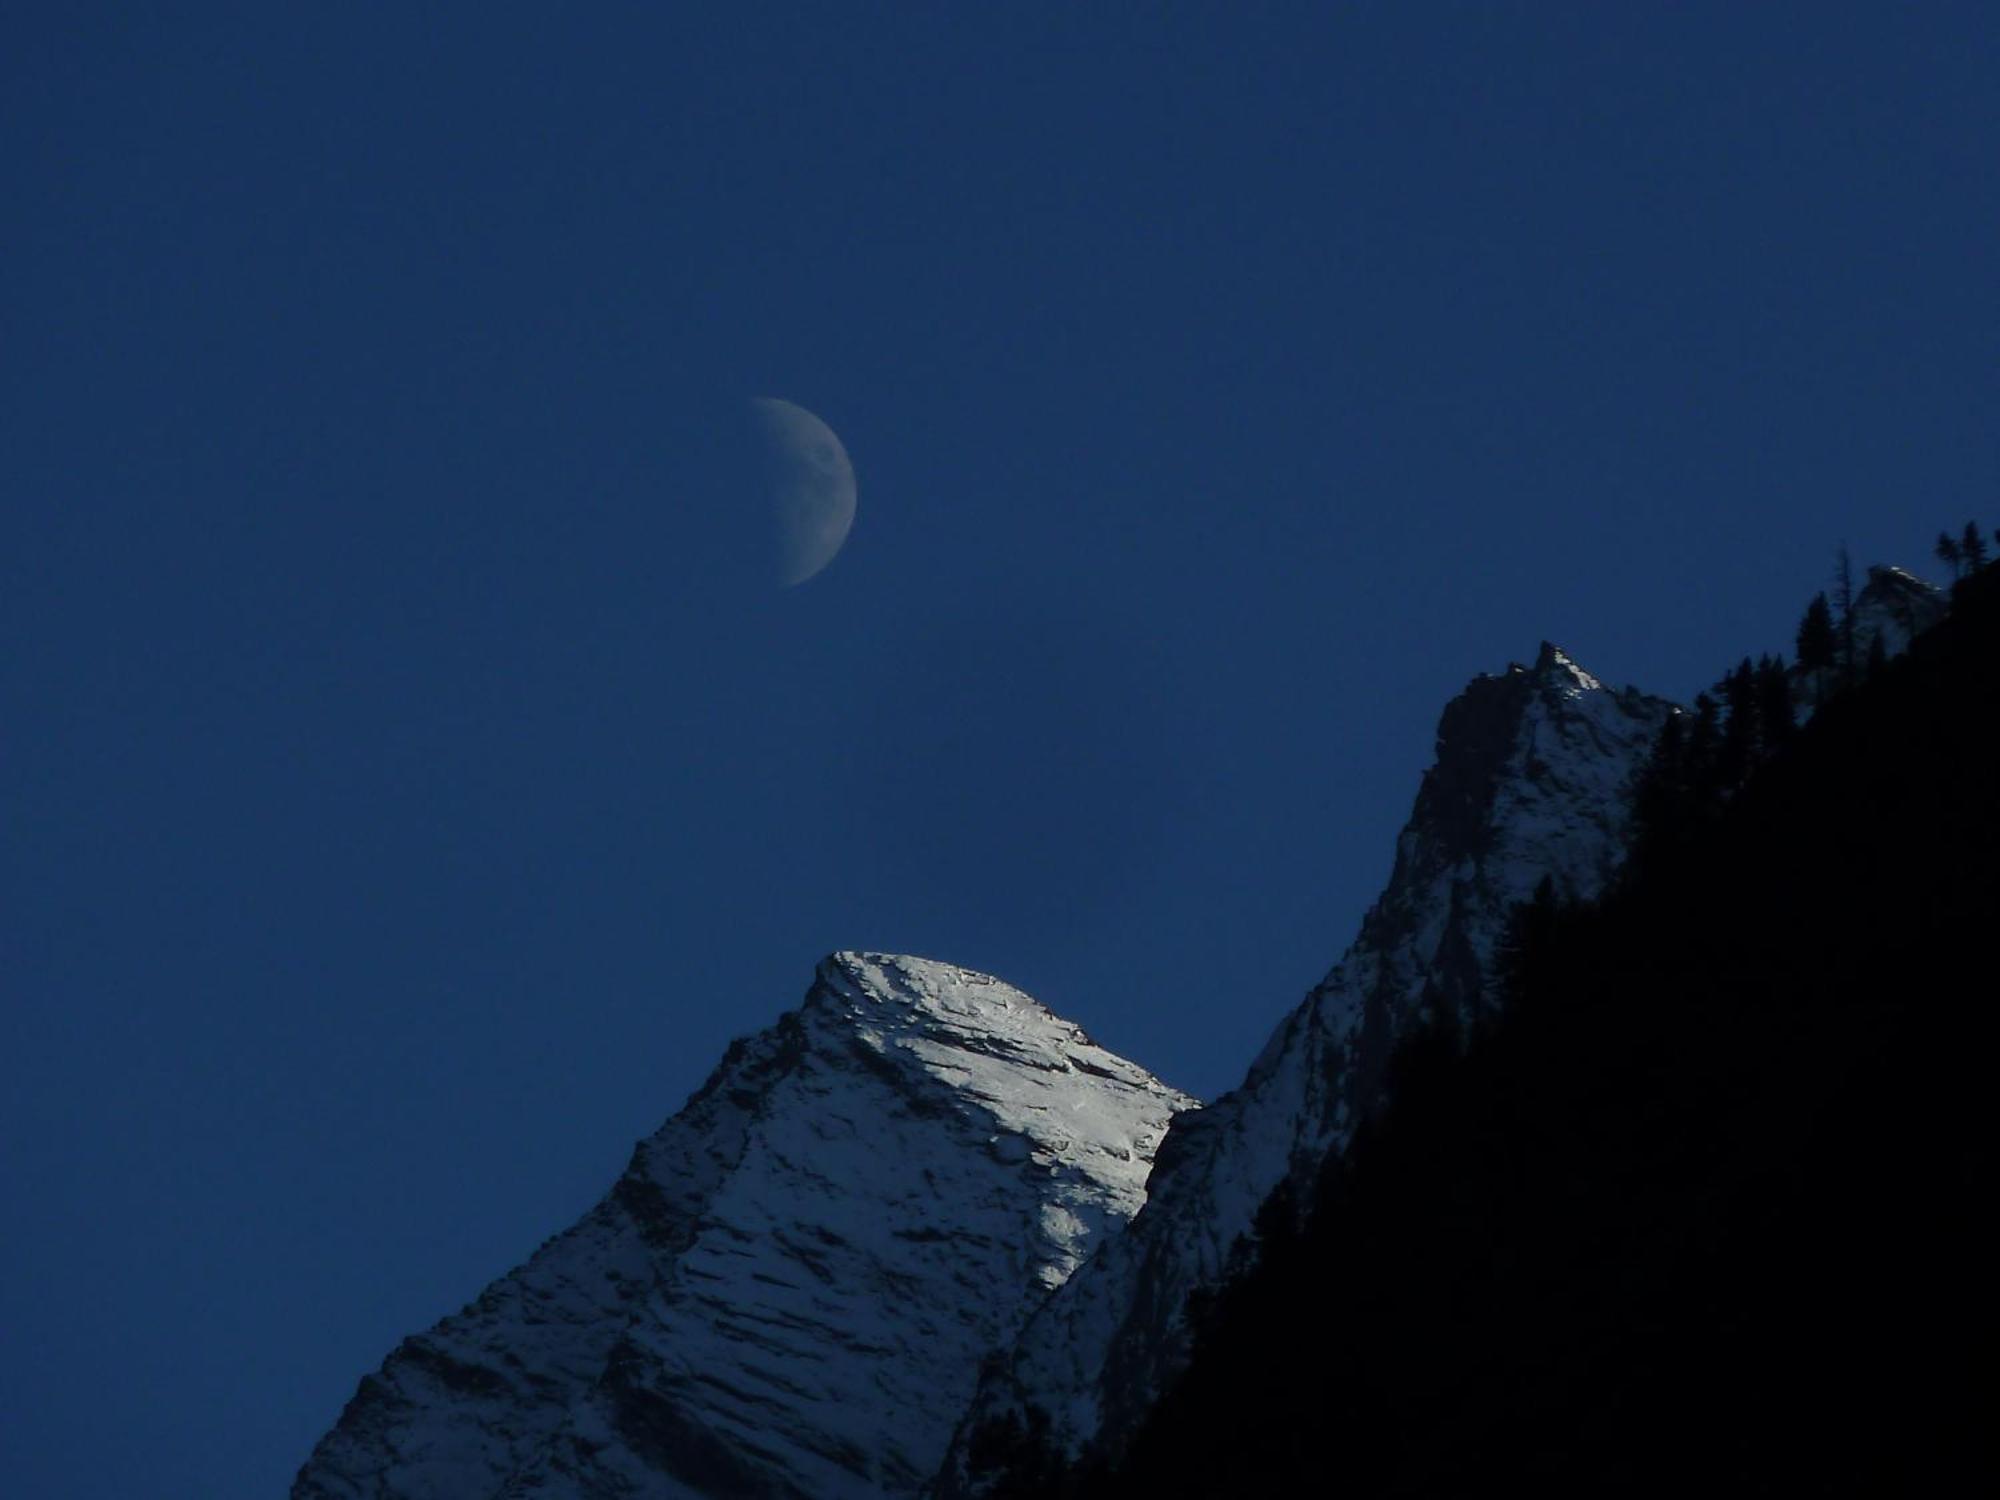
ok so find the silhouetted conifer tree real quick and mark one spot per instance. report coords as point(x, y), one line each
point(1775, 720)
point(1948, 553)
point(1704, 745)
point(1972, 547)
point(1843, 608)
point(1659, 800)
point(1817, 643)
point(1738, 691)
point(1878, 655)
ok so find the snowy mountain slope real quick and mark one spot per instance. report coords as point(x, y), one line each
point(790, 1290)
point(1530, 780)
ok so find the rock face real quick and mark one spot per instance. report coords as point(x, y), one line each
point(1891, 609)
point(1531, 780)
point(792, 1287)
point(1895, 607)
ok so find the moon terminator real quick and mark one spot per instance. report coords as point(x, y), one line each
point(811, 488)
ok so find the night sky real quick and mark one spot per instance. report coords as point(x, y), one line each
point(406, 792)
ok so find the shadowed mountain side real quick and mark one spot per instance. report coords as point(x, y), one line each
point(1701, 1214)
point(1530, 782)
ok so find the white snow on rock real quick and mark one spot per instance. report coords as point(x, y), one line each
point(1532, 778)
point(1897, 607)
point(792, 1287)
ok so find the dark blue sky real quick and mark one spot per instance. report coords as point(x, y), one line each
point(403, 807)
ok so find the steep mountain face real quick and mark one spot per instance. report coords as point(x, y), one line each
point(790, 1290)
point(1895, 607)
point(1694, 1217)
point(1531, 780)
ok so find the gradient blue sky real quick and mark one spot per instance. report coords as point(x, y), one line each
point(402, 805)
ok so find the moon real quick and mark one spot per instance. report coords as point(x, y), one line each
point(810, 486)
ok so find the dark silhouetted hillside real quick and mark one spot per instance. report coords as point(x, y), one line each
point(1703, 1211)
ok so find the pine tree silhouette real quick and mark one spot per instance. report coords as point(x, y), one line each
point(1817, 643)
point(1738, 691)
point(1704, 749)
point(1948, 553)
point(1843, 609)
point(1659, 806)
point(1972, 547)
point(1775, 720)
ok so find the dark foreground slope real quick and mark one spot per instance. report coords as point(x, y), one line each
point(1702, 1210)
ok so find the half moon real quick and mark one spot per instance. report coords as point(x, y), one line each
point(810, 487)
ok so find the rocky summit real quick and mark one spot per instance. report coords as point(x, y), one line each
point(1531, 780)
point(792, 1287)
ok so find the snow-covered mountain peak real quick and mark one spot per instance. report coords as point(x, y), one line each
point(1556, 669)
point(1888, 576)
point(1051, 1095)
point(792, 1287)
point(885, 984)
point(893, 999)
